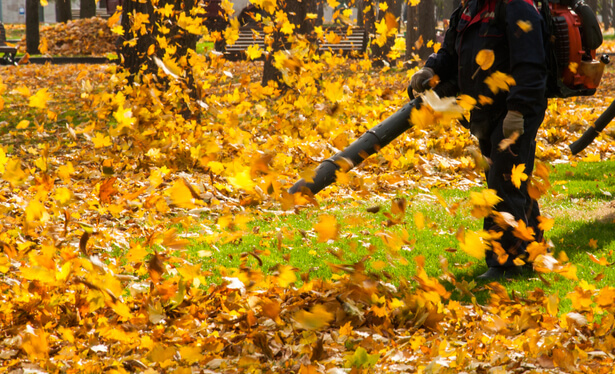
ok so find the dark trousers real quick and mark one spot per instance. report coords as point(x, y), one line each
point(515, 201)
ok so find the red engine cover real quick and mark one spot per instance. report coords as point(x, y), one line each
point(575, 62)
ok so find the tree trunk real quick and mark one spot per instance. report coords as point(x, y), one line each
point(137, 57)
point(32, 27)
point(296, 11)
point(87, 8)
point(427, 26)
point(412, 31)
point(607, 13)
point(63, 11)
point(593, 4)
point(380, 52)
point(369, 16)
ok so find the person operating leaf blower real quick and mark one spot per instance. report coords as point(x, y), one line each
point(516, 41)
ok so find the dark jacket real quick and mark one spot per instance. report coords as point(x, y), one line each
point(518, 48)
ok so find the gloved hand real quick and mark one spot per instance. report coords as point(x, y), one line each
point(416, 82)
point(513, 122)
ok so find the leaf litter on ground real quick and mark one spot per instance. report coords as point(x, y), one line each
point(96, 277)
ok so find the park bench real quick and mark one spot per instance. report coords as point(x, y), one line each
point(352, 40)
point(8, 52)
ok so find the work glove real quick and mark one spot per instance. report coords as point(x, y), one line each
point(417, 80)
point(513, 122)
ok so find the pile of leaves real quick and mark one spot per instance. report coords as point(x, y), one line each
point(80, 37)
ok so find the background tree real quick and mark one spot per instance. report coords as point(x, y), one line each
point(32, 27)
point(380, 52)
point(607, 13)
point(296, 12)
point(87, 8)
point(63, 11)
point(142, 25)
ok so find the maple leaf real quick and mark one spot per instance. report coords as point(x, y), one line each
point(317, 318)
point(327, 228)
point(474, 245)
point(545, 223)
point(254, 52)
point(518, 175)
point(525, 26)
point(40, 99)
point(499, 81)
point(100, 140)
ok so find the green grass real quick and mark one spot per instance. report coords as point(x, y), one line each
point(580, 203)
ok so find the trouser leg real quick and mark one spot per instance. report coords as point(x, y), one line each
point(515, 201)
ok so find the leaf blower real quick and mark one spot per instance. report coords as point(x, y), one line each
point(367, 144)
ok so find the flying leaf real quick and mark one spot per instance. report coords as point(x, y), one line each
point(317, 318)
point(327, 228)
point(499, 81)
point(254, 52)
point(518, 175)
point(473, 245)
point(546, 223)
point(485, 58)
point(525, 26)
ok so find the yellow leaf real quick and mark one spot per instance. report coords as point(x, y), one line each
point(499, 81)
point(317, 318)
point(287, 28)
point(23, 124)
point(383, 6)
point(35, 211)
point(327, 228)
point(190, 354)
point(334, 91)
point(39, 99)
point(100, 140)
point(419, 220)
point(181, 196)
point(518, 175)
point(13, 172)
point(473, 245)
point(545, 223)
point(63, 195)
point(569, 271)
point(23, 91)
point(346, 330)
point(286, 275)
point(136, 254)
point(523, 232)
point(242, 180)
point(485, 58)
point(525, 26)
point(484, 100)
point(43, 47)
point(333, 3)
point(467, 102)
point(254, 52)
point(593, 243)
